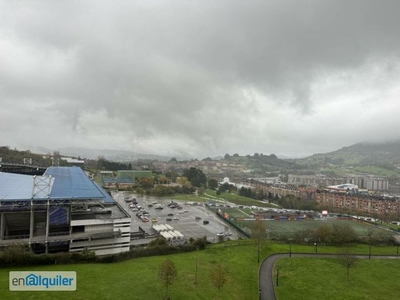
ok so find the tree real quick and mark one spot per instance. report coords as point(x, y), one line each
point(195, 176)
point(163, 180)
point(343, 233)
point(324, 233)
point(146, 182)
point(347, 258)
point(197, 264)
point(167, 275)
point(226, 188)
point(183, 181)
point(227, 156)
point(258, 234)
point(219, 276)
point(212, 184)
point(172, 175)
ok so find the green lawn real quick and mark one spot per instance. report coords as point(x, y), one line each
point(137, 278)
point(193, 198)
point(325, 278)
point(221, 199)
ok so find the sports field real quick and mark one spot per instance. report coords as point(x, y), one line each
point(281, 229)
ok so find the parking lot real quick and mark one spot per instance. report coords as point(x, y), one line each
point(188, 220)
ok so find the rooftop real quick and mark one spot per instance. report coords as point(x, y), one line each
point(56, 183)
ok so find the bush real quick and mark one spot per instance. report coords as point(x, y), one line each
point(19, 255)
point(160, 241)
point(200, 243)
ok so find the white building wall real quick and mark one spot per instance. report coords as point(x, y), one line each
point(102, 246)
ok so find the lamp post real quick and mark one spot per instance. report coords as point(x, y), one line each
point(277, 275)
point(369, 252)
point(316, 247)
point(290, 249)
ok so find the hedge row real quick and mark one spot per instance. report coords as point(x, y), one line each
point(17, 255)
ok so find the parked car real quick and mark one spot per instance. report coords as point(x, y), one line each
point(169, 219)
point(176, 218)
point(198, 218)
point(170, 215)
point(205, 222)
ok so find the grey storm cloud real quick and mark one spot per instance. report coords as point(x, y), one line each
point(199, 77)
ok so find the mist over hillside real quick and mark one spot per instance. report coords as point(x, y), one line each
point(365, 153)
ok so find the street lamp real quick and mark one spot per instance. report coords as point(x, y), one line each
point(290, 252)
point(277, 275)
point(316, 247)
point(369, 252)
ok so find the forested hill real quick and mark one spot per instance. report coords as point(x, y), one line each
point(263, 164)
point(363, 154)
point(17, 157)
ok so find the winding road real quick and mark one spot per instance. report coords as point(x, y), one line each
point(266, 284)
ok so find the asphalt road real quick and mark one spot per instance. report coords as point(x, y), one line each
point(266, 284)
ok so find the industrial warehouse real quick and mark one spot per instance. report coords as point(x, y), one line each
point(61, 210)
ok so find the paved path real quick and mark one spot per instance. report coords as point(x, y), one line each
point(266, 284)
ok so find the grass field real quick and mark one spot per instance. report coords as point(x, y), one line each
point(325, 278)
point(137, 278)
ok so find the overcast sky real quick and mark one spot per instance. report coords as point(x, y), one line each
point(199, 78)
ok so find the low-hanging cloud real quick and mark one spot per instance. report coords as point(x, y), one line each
point(199, 78)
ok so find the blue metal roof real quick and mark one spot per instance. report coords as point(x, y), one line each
point(15, 186)
point(56, 183)
point(72, 183)
point(107, 197)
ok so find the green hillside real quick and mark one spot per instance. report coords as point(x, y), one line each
point(363, 158)
point(17, 157)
